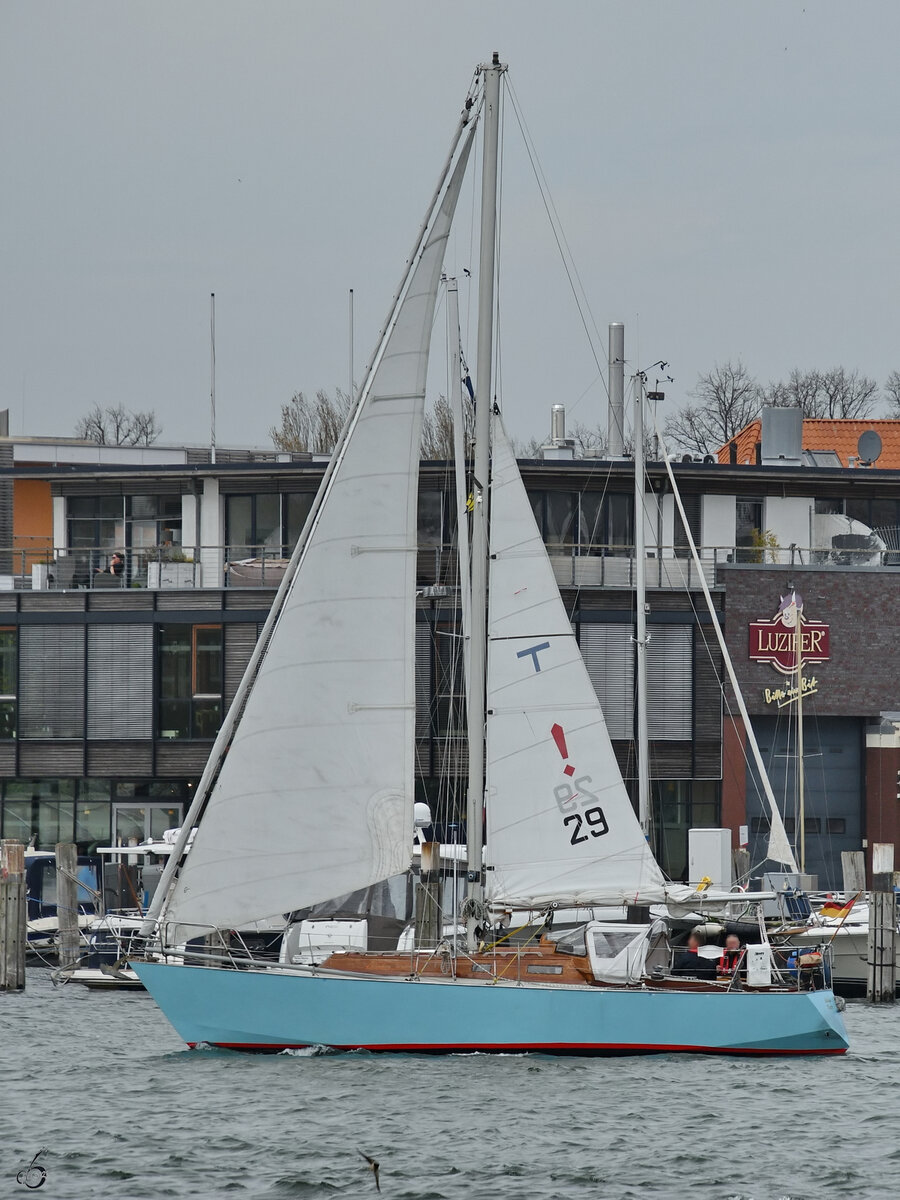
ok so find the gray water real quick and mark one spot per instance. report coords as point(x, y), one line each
point(124, 1110)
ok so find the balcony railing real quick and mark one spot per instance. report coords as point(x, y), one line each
point(39, 567)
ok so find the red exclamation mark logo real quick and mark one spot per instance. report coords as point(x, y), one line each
point(559, 737)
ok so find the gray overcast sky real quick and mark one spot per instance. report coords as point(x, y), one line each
point(727, 176)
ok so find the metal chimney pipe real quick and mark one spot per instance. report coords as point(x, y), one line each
point(616, 425)
point(558, 424)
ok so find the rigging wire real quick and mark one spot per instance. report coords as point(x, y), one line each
point(562, 243)
point(716, 668)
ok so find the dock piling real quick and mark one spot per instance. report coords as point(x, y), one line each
point(69, 943)
point(428, 897)
point(881, 981)
point(12, 916)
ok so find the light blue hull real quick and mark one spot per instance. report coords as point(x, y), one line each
point(273, 1010)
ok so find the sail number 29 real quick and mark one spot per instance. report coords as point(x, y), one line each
point(581, 825)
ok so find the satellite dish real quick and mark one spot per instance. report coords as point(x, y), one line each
point(869, 446)
point(687, 458)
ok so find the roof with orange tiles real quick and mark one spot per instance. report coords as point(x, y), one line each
point(839, 435)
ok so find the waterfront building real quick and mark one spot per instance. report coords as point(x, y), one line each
point(112, 686)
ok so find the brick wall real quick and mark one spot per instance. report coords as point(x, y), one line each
point(862, 608)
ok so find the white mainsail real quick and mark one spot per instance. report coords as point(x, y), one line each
point(314, 797)
point(560, 825)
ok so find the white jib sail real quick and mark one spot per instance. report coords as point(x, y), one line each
point(315, 795)
point(560, 825)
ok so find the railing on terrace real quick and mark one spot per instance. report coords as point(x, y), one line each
point(40, 567)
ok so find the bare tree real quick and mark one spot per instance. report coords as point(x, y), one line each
point(837, 393)
point(725, 399)
point(145, 428)
point(311, 426)
point(587, 437)
point(437, 431)
point(847, 393)
point(892, 391)
point(800, 390)
point(115, 425)
point(528, 449)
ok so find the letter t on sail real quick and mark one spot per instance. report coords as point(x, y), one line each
point(534, 651)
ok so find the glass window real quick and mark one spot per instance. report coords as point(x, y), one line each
point(430, 518)
point(680, 805)
point(143, 506)
point(17, 819)
point(858, 509)
point(297, 505)
point(190, 680)
point(884, 514)
point(621, 521)
point(207, 665)
point(748, 528)
point(537, 507)
point(826, 505)
point(92, 815)
point(593, 521)
point(8, 673)
point(39, 810)
point(253, 525)
point(163, 818)
point(561, 510)
point(268, 522)
point(239, 526)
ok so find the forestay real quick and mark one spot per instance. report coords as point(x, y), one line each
point(315, 795)
point(560, 825)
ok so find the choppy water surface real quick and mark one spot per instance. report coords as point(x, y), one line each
point(103, 1083)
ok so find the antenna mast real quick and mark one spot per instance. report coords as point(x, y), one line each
point(480, 488)
point(212, 377)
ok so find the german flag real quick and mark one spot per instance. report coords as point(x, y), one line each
point(834, 908)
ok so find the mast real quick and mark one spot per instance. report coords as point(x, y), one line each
point(478, 640)
point(640, 590)
point(801, 804)
point(350, 359)
point(779, 846)
point(212, 378)
point(459, 469)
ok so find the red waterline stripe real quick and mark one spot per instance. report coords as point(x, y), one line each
point(586, 1048)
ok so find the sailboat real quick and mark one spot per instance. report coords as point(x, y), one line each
point(315, 757)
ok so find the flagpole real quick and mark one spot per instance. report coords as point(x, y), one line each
point(800, 772)
point(844, 917)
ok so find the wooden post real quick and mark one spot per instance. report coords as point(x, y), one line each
point(881, 983)
point(853, 866)
point(69, 941)
point(428, 897)
point(12, 916)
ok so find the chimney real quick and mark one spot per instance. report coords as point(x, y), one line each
point(559, 447)
point(616, 423)
point(781, 437)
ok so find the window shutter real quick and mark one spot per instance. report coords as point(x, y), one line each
point(608, 653)
point(670, 683)
point(240, 641)
point(120, 682)
point(51, 681)
point(423, 679)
